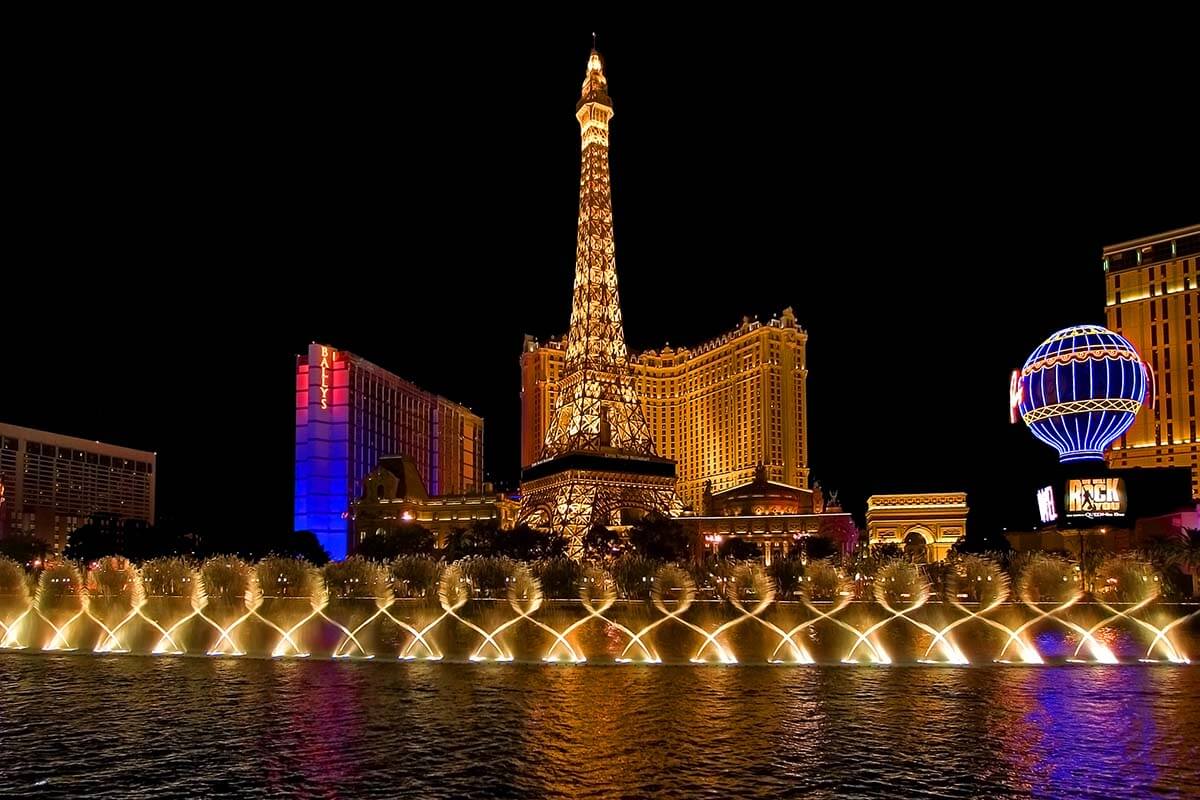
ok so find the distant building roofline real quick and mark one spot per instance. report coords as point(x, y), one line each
point(1151, 240)
point(76, 442)
point(371, 365)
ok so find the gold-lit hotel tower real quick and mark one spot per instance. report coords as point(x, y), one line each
point(1154, 302)
point(597, 456)
point(719, 409)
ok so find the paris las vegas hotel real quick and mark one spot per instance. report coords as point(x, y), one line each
point(1153, 300)
point(718, 409)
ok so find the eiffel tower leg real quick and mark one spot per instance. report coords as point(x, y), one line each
point(573, 506)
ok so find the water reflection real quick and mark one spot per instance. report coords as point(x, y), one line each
point(128, 726)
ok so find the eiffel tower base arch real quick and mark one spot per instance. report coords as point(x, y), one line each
point(574, 498)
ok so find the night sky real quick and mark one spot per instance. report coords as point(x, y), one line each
point(185, 226)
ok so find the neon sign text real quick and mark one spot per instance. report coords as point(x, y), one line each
point(1095, 497)
point(327, 358)
point(1046, 510)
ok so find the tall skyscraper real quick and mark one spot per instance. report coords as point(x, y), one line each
point(54, 483)
point(718, 409)
point(351, 413)
point(597, 456)
point(1153, 301)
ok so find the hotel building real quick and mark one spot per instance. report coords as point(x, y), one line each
point(718, 409)
point(1153, 300)
point(350, 414)
point(53, 484)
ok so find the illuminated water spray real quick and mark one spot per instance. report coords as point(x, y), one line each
point(284, 608)
point(14, 590)
point(751, 586)
point(824, 584)
point(670, 585)
point(356, 580)
point(1127, 580)
point(59, 602)
point(525, 598)
point(1047, 580)
point(165, 580)
point(900, 589)
point(113, 584)
point(290, 579)
point(597, 593)
point(981, 581)
point(453, 593)
point(229, 583)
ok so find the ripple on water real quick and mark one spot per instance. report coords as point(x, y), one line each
point(132, 726)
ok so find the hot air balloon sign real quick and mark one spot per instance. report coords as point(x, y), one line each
point(1080, 390)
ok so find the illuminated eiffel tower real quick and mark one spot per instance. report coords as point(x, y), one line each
point(598, 457)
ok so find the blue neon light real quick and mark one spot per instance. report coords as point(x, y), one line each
point(1081, 389)
point(322, 500)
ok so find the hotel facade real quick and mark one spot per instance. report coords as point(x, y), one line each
point(53, 484)
point(1153, 300)
point(350, 414)
point(718, 410)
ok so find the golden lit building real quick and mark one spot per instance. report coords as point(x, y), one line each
point(1153, 301)
point(913, 521)
point(776, 517)
point(718, 409)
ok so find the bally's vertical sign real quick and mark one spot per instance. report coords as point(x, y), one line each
point(1095, 498)
point(328, 357)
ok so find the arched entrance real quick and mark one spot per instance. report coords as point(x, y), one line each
point(916, 545)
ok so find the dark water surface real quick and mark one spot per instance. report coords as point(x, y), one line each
point(135, 726)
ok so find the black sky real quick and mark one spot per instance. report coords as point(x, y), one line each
point(187, 221)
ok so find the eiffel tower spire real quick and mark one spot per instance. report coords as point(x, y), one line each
point(598, 457)
point(597, 406)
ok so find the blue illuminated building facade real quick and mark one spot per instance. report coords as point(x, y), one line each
point(351, 413)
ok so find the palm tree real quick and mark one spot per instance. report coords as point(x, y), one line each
point(1185, 554)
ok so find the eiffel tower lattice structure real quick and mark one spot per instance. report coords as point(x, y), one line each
point(598, 456)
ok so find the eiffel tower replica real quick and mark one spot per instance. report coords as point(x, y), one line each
point(598, 457)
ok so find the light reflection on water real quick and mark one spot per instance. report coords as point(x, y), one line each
point(135, 726)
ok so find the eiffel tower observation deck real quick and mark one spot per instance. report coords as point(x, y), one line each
point(598, 456)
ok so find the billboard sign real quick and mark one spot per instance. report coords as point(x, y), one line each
point(1095, 498)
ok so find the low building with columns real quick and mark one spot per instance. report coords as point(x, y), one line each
point(394, 495)
point(933, 521)
point(777, 517)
